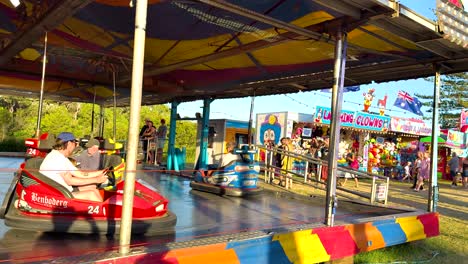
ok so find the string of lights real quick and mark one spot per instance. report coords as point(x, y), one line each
point(216, 112)
point(299, 102)
point(345, 101)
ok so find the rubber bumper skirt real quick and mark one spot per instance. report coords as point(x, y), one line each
point(204, 187)
point(70, 224)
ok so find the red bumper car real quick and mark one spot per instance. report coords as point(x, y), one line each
point(35, 202)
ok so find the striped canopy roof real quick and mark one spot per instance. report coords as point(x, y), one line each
point(216, 49)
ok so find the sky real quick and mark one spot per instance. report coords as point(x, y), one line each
point(305, 102)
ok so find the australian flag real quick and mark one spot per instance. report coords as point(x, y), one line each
point(409, 103)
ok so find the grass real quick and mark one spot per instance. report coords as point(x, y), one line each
point(449, 247)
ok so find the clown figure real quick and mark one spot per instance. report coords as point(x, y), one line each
point(368, 97)
point(270, 130)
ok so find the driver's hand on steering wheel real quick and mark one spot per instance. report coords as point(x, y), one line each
point(105, 171)
point(101, 179)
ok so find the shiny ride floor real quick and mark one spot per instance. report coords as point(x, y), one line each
point(199, 215)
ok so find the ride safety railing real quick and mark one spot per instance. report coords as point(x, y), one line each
point(152, 154)
point(297, 167)
point(149, 155)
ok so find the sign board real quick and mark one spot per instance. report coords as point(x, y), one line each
point(323, 116)
point(380, 192)
point(410, 126)
point(455, 139)
point(371, 122)
point(307, 132)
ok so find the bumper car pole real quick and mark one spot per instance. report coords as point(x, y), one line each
point(41, 95)
point(133, 132)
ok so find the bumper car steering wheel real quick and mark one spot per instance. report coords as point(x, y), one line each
point(111, 179)
point(111, 176)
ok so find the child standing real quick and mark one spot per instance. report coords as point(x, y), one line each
point(407, 171)
point(424, 171)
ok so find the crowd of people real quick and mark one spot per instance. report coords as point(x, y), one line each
point(418, 171)
point(317, 150)
point(458, 170)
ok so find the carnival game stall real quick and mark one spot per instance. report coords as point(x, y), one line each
point(457, 142)
point(383, 144)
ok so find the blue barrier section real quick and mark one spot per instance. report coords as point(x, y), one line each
point(179, 158)
point(391, 232)
point(257, 251)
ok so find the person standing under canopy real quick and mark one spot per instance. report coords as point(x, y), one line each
point(161, 135)
point(454, 164)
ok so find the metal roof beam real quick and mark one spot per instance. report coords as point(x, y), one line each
point(262, 18)
point(209, 57)
point(412, 38)
point(52, 18)
point(342, 7)
point(293, 32)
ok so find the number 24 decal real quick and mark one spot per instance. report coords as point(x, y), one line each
point(93, 210)
point(32, 151)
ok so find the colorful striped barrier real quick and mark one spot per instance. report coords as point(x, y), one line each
point(305, 246)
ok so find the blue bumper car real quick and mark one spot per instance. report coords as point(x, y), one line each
point(238, 178)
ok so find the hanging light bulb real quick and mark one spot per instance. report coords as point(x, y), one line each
point(15, 3)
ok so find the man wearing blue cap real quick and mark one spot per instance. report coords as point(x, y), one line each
point(59, 168)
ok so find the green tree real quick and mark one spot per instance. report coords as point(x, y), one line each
point(18, 117)
point(186, 137)
point(5, 121)
point(453, 98)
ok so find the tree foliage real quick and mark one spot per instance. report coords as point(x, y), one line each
point(453, 98)
point(18, 117)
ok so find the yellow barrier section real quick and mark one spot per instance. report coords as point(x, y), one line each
point(302, 247)
point(412, 227)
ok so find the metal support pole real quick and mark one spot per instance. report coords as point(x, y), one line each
point(101, 120)
point(271, 175)
point(387, 186)
point(114, 120)
point(92, 114)
point(203, 157)
point(133, 131)
point(267, 166)
point(172, 136)
point(372, 198)
point(335, 125)
point(41, 95)
point(249, 131)
point(433, 188)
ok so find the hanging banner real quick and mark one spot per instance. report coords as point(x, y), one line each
point(323, 116)
point(455, 139)
point(464, 120)
point(410, 126)
point(371, 122)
